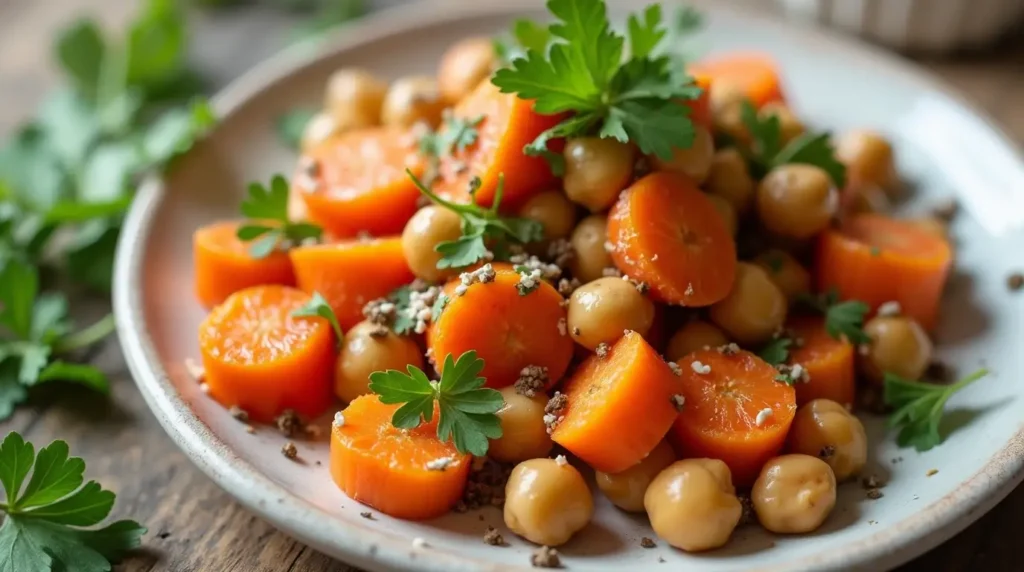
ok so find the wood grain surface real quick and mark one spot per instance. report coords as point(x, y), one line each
point(193, 524)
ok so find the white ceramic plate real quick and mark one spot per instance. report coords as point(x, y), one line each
point(945, 147)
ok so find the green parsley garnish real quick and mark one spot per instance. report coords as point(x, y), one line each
point(317, 307)
point(809, 148)
point(43, 529)
point(919, 408)
point(456, 134)
point(439, 305)
point(466, 408)
point(481, 228)
point(841, 318)
point(776, 351)
point(269, 225)
point(291, 125)
point(583, 71)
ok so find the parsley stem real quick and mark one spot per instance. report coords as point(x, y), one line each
point(967, 381)
point(86, 337)
point(463, 209)
point(499, 193)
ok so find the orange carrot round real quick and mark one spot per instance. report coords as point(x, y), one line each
point(509, 331)
point(350, 274)
point(223, 266)
point(259, 357)
point(829, 362)
point(755, 74)
point(877, 259)
point(356, 182)
point(386, 468)
point(735, 411)
point(619, 406)
point(664, 231)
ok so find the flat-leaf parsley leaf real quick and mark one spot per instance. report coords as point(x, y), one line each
point(269, 225)
point(776, 351)
point(317, 307)
point(768, 152)
point(919, 407)
point(842, 318)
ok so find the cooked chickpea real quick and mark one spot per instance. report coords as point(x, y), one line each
point(692, 504)
point(899, 345)
point(726, 101)
point(588, 242)
point(790, 124)
point(784, 270)
point(794, 494)
point(868, 157)
point(693, 161)
point(754, 309)
point(320, 128)
point(464, 66)
point(428, 227)
point(596, 171)
point(553, 210)
point(626, 489)
point(796, 200)
point(694, 335)
point(412, 100)
point(601, 310)
point(825, 429)
point(547, 501)
point(730, 179)
point(368, 348)
point(523, 433)
point(354, 98)
point(724, 208)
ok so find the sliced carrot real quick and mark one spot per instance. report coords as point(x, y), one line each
point(755, 74)
point(359, 183)
point(508, 124)
point(223, 266)
point(350, 274)
point(384, 467)
point(723, 405)
point(700, 108)
point(829, 362)
point(664, 231)
point(877, 259)
point(619, 406)
point(509, 331)
point(257, 356)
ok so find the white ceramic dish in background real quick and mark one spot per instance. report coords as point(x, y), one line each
point(831, 81)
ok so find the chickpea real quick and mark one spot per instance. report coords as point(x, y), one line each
point(693, 336)
point(547, 501)
point(354, 98)
point(784, 270)
point(429, 226)
point(899, 346)
point(320, 128)
point(730, 179)
point(601, 310)
point(694, 161)
point(726, 101)
point(464, 66)
point(791, 126)
point(754, 308)
point(794, 494)
point(796, 201)
point(553, 210)
point(626, 489)
point(868, 156)
point(825, 429)
point(728, 213)
point(523, 433)
point(588, 242)
point(692, 504)
point(368, 348)
point(412, 100)
point(596, 171)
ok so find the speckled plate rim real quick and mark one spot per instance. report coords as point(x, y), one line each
point(361, 546)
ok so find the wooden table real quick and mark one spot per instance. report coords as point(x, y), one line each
point(193, 524)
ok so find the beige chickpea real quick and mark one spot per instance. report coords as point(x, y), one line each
point(693, 161)
point(588, 241)
point(354, 98)
point(726, 102)
point(319, 129)
point(786, 272)
point(428, 227)
point(825, 429)
point(754, 309)
point(626, 489)
point(729, 178)
point(368, 348)
point(728, 214)
point(790, 124)
point(899, 345)
point(523, 432)
point(597, 170)
point(692, 504)
point(794, 494)
point(869, 159)
point(412, 100)
point(547, 501)
point(796, 200)
point(601, 310)
point(464, 66)
point(692, 336)
point(553, 210)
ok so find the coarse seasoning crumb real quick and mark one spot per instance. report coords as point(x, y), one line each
point(238, 413)
point(561, 461)
point(647, 542)
point(661, 560)
point(439, 464)
point(874, 494)
point(611, 272)
point(339, 419)
point(676, 370)
point(931, 472)
point(378, 331)
point(563, 326)
point(826, 452)
point(204, 387)
point(654, 258)
point(890, 308)
point(419, 543)
point(561, 252)
point(536, 266)
point(493, 537)
point(289, 450)
point(566, 286)
point(532, 379)
point(1015, 281)
point(729, 349)
point(700, 368)
point(642, 287)
point(872, 481)
point(485, 486)
point(946, 209)
point(367, 515)
point(545, 557)
point(608, 246)
point(678, 401)
point(747, 513)
point(529, 280)
point(763, 416)
point(250, 429)
point(602, 350)
point(576, 331)
point(289, 423)
point(380, 311)
point(689, 290)
point(195, 371)
point(420, 308)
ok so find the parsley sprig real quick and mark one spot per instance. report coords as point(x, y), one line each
point(318, 307)
point(269, 225)
point(466, 409)
point(456, 134)
point(582, 70)
point(776, 352)
point(767, 152)
point(44, 526)
point(842, 318)
point(919, 408)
